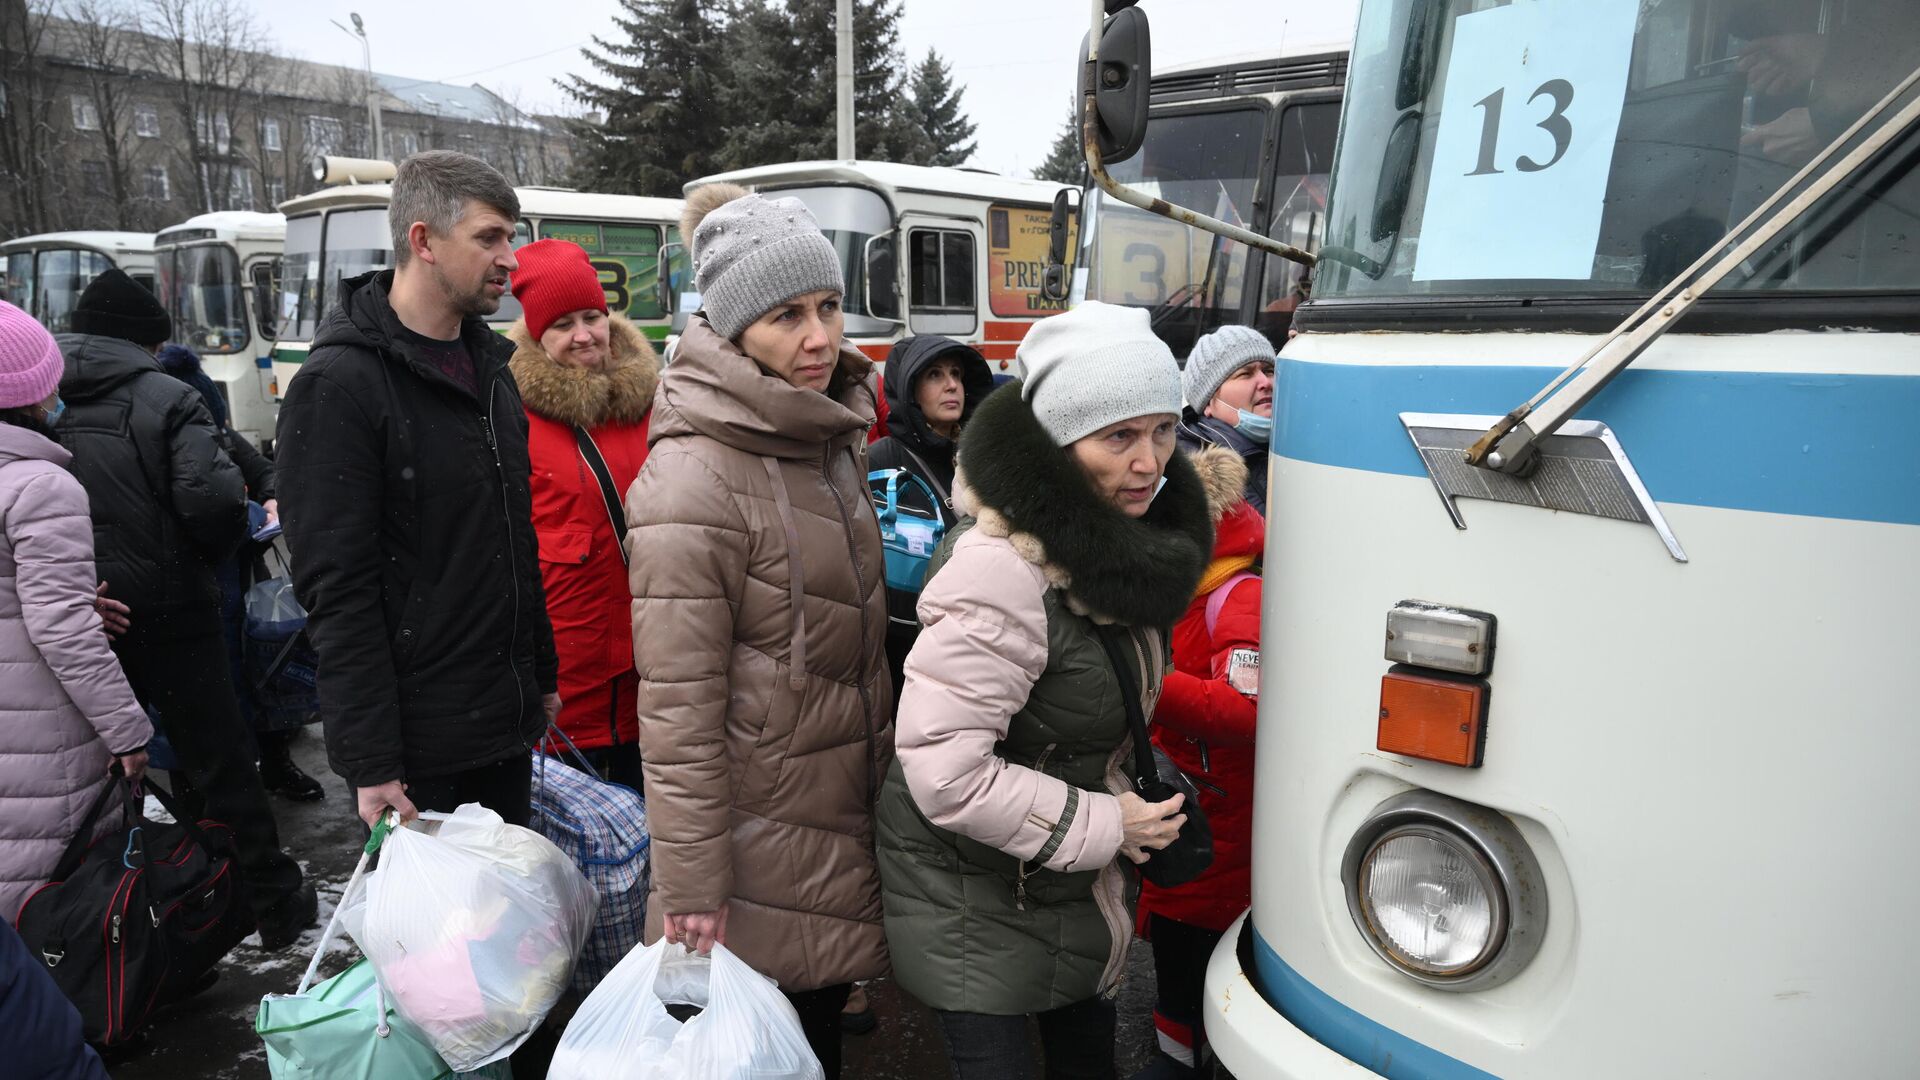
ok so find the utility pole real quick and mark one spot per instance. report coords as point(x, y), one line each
point(373, 88)
point(843, 79)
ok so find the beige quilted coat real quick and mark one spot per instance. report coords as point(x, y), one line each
point(759, 620)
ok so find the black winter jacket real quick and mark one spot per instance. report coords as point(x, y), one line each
point(912, 445)
point(407, 513)
point(167, 502)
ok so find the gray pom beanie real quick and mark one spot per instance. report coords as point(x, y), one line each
point(1218, 355)
point(1095, 365)
point(751, 254)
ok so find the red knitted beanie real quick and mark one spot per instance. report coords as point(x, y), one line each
point(554, 278)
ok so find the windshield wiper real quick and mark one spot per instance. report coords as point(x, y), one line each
point(1510, 445)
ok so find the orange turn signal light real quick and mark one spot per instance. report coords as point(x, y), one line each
point(1433, 718)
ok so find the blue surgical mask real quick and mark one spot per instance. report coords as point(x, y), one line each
point(1254, 426)
point(58, 407)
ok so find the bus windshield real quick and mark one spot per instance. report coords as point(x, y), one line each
point(1190, 280)
point(200, 288)
point(1596, 148)
point(300, 279)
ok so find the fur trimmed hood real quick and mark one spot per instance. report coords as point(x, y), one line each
point(623, 391)
point(1015, 482)
point(1223, 474)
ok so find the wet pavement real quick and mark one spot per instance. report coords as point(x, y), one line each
point(211, 1037)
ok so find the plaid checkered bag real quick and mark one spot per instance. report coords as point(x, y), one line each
point(602, 827)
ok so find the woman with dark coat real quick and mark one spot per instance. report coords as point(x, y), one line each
point(1007, 817)
point(933, 384)
point(585, 374)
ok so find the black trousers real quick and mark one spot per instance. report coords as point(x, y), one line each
point(820, 1021)
point(180, 667)
point(503, 787)
point(1076, 1039)
point(1180, 955)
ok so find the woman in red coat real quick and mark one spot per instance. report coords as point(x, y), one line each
point(587, 378)
point(1206, 726)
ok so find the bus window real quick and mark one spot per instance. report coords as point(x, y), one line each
point(357, 241)
point(18, 287)
point(63, 274)
point(627, 257)
point(300, 279)
point(1191, 280)
point(940, 276)
point(851, 216)
point(1302, 158)
point(1695, 111)
point(200, 288)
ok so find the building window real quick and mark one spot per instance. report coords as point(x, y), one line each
point(409, 144)
point(157, 187)
point(240, 190)
point(269, 134)
point(85, 116)
point(276, 191)
point(146, 121)
point(217, 132)
point(325, 134)
point(93, 178)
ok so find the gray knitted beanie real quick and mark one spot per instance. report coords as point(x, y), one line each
point(1095, 365)
point(1218, 355)
point(751, 254)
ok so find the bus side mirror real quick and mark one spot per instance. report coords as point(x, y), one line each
point(878, 261)
point(668, 254)
point(1053, 279)
point(1120, 90)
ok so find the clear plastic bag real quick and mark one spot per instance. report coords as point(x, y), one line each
point(472, 926)
point(746, 1029)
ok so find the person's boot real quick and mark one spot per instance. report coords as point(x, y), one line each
point(282, 924)
point(283, 777)
point(857, 1018)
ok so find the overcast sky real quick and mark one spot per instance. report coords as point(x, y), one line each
point(1014, 57)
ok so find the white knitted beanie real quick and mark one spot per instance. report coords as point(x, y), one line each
point(1095, 365)
point(1218, 355)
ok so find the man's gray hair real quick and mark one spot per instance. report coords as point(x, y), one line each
point(434, 187)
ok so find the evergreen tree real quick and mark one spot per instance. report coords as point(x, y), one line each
point(661, 99)
point(937, 100)
point(1066, 163)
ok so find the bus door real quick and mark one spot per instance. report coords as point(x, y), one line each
point(1297, 197)
point(942, 262)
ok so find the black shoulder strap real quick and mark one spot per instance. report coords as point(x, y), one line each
point(1145, 771)
point(615, 513)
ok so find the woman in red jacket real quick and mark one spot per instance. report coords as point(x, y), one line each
point(1206, 726)
point(587, 378)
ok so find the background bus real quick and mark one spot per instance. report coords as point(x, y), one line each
point(974, 244)
point(1247, 140)
point(1602, 769)
point(337, 233)
point(45, 274)
point(216, 274)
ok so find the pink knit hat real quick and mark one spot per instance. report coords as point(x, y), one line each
point(30, 363)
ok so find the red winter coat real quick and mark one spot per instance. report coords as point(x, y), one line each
point(1206, 727)
point(580, 565)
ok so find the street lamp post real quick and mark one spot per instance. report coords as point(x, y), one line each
point(373, 88)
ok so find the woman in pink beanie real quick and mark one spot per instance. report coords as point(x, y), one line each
point(66, 711)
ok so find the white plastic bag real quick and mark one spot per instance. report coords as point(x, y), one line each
point(747, 1029)
point(472, 926)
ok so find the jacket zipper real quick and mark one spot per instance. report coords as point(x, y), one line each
point(513, 562)
point(860, 583)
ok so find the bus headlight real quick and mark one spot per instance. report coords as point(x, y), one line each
point(1446, 892)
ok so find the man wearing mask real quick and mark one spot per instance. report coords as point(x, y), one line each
point(1229, 391)
point(403, 483)
point(168, 505)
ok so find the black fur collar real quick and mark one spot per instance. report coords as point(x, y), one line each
point(1136, 571)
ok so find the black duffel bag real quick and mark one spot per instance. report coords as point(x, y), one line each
point(133, 920)
point(1156, 779)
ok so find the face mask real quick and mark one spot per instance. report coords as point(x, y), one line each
point(57, 408)
point(1254, 426)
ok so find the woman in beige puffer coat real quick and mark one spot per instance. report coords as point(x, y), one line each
point(759, 618)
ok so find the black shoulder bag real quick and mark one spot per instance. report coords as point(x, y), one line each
point(1157, 779)
point(616, 514)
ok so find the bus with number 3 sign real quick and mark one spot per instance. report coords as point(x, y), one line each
point(1592, 550)
point(340, 232)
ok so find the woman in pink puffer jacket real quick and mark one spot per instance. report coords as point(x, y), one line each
point(66, 712)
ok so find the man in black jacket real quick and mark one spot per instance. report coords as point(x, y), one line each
point(404, 493)
point(168, 504)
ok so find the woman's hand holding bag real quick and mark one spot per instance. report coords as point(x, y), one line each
point(1148, 827)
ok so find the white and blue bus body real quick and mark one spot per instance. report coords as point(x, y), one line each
point(1678, 842)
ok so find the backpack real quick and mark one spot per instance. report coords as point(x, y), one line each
point(908, 533)
point(132, 920)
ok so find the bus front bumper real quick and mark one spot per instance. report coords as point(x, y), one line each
point(1250, 1037)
